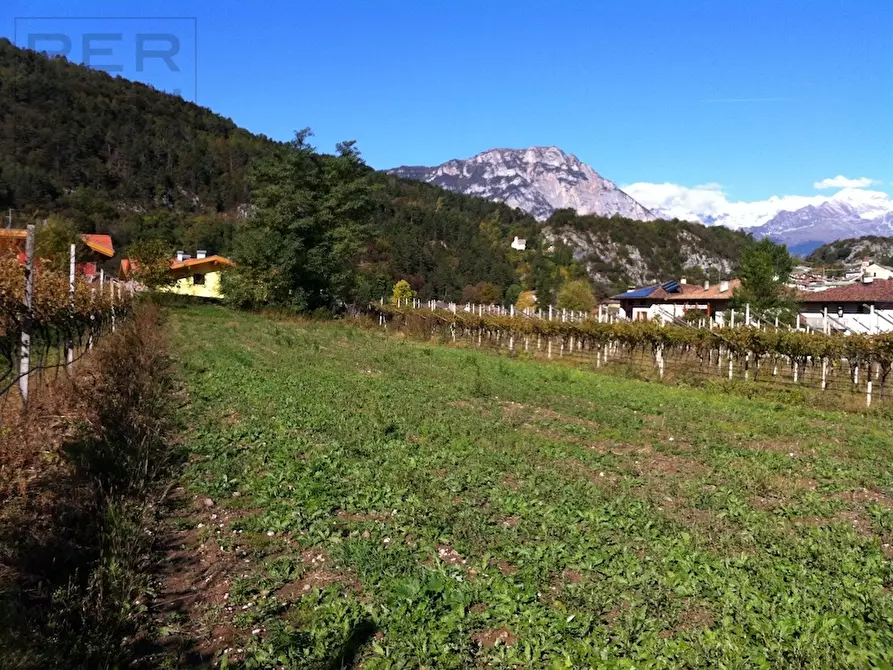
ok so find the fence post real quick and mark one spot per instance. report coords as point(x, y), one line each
point(824, 373)
point(92, 317)
point(550, 312)
point(69, 353)
point(825, 324)
point(25, 360)
point(733, 319)
point(868, 386)
point(112, 299)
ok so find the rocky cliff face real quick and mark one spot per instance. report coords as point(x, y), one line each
point(538, 180)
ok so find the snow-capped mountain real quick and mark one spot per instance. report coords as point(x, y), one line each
point(538, 180)
point(849, 213)
point(802, 221)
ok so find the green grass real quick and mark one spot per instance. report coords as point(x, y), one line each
point(458, 498)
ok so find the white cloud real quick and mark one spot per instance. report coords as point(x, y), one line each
point(709, 204)
point(842, 182)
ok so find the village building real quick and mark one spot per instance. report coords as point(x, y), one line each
point(198, 277)
point(99, 248)
point(673, 299)
point(862, 307)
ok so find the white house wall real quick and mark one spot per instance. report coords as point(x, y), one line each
point(880, 322)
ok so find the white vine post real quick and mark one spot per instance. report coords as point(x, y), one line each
point(69, 353)
point(747, 314)
point(868, 386)
point(112, 298)
point(25, 359)
point(92, 317)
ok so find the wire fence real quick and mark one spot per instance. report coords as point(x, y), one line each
point(848, 372)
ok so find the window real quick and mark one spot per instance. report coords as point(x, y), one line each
point(198, 280)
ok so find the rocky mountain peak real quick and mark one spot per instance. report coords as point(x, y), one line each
point(537, 180)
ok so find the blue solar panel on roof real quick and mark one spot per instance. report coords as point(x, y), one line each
point(671, 286)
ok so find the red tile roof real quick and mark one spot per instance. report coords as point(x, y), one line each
point(99, 243)
point(880, 290)
point(694, 292)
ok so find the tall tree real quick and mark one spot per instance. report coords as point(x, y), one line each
point(151, 263)
point(764, 270)
point(300, 249)
point(577, 295)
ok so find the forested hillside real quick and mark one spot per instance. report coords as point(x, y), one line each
point(618, 252)
point(119, 157)
point(878, 249)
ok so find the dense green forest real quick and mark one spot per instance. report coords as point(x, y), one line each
point(119, 157)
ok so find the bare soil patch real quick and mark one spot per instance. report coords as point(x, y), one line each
point(487, 639)
point(866, 495)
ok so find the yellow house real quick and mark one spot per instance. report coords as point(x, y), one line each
point(199, 276)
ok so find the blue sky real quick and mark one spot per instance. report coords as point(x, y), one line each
point(762, 98)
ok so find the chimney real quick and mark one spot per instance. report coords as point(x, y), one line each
point(723, 286)
point(706, 284)
point(180, 255)
point(683, 281)
point(201, 253)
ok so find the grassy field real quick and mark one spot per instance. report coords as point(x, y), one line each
point(359, 500)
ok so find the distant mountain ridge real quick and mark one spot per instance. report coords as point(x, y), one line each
point(837, 218)
point(538, 180)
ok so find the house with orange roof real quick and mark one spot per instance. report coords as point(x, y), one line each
point(198, 277)
point(99, 248)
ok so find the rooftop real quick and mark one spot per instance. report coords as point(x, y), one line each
point(879, 290)
point(674, 290)
point(101, 244)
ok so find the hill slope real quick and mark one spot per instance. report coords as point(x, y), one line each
point(852, 250)
point(65, 127)
point(618, 253)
